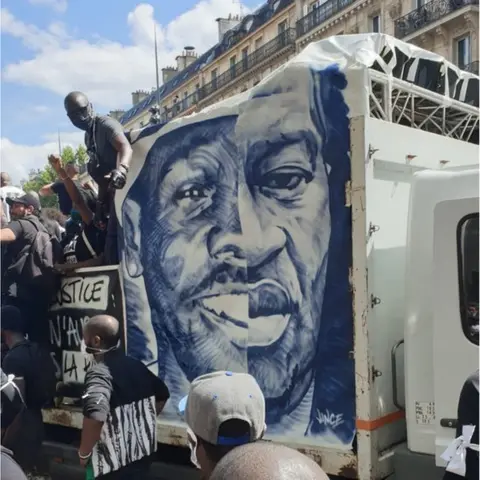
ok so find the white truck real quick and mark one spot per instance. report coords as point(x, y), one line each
point(388, 242)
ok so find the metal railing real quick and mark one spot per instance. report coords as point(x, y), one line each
point(285, 39)
point(180, 106)
point(320, 15)
point(471, 67)
point(427, 14)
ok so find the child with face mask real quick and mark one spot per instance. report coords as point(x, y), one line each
point(83, 248)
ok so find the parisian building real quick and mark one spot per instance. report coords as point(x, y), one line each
point(250, 47)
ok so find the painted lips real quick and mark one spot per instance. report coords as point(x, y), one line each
point(256, 318)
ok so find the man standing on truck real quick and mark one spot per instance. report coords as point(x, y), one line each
point(120, 406)
point(110, 156)
point(223, 410)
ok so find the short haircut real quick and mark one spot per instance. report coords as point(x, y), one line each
point(267, 461)
point(106, 327)
point(231, 428)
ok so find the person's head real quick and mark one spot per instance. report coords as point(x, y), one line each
point(4, 179)
point(101, 334)
point(71, 169)
point(229, 224)
point(13, 325)
point(222, 410)
point(90, 199)
point(54, 215)
point(27, 204)
point(79, 110)
point(267, 461)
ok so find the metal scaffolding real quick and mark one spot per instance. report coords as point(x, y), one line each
point(401, 102)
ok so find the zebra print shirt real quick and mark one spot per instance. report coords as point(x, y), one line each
point(121, 392)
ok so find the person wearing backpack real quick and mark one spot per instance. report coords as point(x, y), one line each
point(33, 367)
point(29, 279)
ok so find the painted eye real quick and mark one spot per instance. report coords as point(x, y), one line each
point(285, 182)
point(192, 192)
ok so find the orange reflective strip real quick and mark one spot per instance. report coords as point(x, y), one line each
point(370, 425)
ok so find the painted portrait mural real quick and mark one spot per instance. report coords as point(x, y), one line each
point(236, 246)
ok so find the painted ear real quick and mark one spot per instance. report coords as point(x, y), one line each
point(132, 238)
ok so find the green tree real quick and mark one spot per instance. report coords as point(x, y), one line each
point(81, 156)
point(68, 155)
point(38, 178)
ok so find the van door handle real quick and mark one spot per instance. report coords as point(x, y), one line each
point(448, 422)
point(396, 401)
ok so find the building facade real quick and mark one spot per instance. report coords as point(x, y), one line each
point(251, 47)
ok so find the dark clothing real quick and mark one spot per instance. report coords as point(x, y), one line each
point(26, 440)
point(64, 200)
point(35, 312)
point(100, 146)
point(12, 402)
point(33, 305)
point(111, 242)
point(25, 234)
point(34, 364)
point(103, 159)
point(468, 414)
point(118, 390)
point(27, 360)
point(88, 244)
point(136, 470)
point(10, 469)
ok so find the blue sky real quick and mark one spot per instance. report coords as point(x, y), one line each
point(102, 47)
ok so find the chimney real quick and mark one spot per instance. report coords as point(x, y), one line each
point(168, 73)
point(138, 96)
point(116, 114)
point(190, 55)
point(226, 24)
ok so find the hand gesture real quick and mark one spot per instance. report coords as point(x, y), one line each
point(55, 161)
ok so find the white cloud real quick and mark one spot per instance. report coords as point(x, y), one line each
point(109, 71)
point(18, 160)
point(66, 138)
point(57, 5)
point(40, 109)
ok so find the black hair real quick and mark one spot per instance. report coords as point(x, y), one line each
point(230, 428)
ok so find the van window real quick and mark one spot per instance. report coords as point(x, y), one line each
point(467, 242)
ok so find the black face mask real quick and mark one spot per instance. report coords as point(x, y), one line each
point(82, 118)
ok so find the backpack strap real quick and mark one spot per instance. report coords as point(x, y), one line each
point(88, 245)
point(36, 223)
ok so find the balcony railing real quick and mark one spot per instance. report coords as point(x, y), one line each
point(320, 15)
point(180, 106)
point(471, 67)
point(285, 39)
point(427, 14)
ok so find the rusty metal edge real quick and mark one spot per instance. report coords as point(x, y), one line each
point(333, 461)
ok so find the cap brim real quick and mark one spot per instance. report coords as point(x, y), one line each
point(11, 201)
point(182, 405)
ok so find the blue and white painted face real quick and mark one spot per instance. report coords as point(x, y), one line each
point(233, 239)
